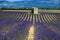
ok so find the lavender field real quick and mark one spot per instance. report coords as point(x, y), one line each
point(24, 26)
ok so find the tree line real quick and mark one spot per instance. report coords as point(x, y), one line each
point(29, 8)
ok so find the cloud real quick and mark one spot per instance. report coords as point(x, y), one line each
point(56, 1)
point(50, 1)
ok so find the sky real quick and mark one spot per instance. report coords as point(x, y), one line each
point(15, 0)
point(42, 2)
point(32, 0)
point(18, 0)
point(54, 1)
